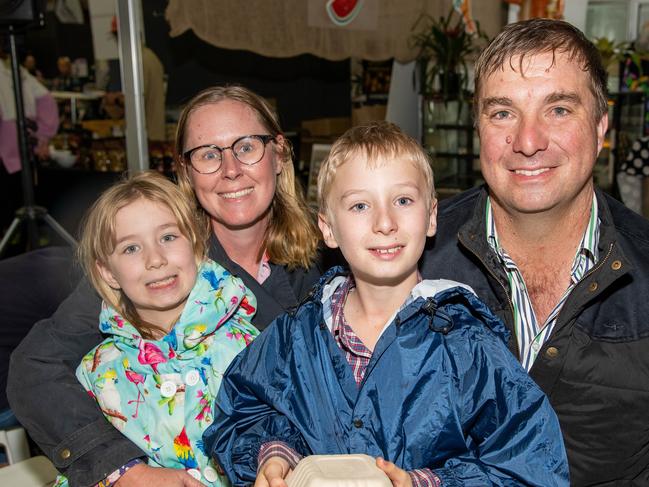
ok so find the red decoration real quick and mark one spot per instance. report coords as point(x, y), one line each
point(342, 12)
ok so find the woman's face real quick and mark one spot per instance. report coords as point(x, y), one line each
point(237, 196)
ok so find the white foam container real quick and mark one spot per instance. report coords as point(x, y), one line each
point(338, 471)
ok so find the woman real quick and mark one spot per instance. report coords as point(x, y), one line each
point(235, 162)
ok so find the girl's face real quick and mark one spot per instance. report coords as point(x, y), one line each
point(153, 262)
point(236, 196)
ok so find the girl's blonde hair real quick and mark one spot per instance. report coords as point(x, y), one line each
point(292, 236)
point(97, 241)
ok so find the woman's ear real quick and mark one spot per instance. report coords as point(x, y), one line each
point(280, 143)
point(107, 276)
point(327, 231)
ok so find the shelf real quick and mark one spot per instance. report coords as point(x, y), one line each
point(448, 137)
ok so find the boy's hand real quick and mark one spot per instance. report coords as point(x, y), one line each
point(272, 473)
point(397, 476)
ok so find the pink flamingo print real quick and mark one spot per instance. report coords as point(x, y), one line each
point(150, 354)
point(136, 379)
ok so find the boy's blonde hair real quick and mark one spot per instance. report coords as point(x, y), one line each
point(374, 141)
point(97, 241)
point(292, 236)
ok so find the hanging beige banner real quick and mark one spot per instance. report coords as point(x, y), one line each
point(287, 28)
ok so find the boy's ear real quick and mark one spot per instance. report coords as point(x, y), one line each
point(107, 276)
point(327, 232)
point(432, 219)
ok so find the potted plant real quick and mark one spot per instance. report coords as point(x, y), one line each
point(443, 49)
point(613, 54)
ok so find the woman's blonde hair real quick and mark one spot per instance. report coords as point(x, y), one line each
point(292, 236)
point(97, 241)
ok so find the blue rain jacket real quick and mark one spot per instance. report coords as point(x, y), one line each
point(441, 391)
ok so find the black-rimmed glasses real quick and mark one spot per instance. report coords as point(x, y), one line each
point(248, 150)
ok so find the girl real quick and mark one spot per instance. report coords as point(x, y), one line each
point(174, 322)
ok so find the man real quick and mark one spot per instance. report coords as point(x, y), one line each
point(564, 265)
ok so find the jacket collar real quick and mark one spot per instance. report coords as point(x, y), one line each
point(429, 296)
point(216, 297)
point(472, 233)
point(274, 297)
point(611, 256)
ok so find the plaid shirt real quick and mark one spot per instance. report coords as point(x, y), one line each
point(358, 356)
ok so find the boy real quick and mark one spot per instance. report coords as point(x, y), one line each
point(380, 362)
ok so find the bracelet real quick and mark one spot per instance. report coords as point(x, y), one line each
point(117, 474)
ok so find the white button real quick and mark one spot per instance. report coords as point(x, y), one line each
point(194, 473)
point(210, 474)
point(535, 346)
point(168, 389)
point(191, 378)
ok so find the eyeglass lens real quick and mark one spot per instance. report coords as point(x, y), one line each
point(247, 150)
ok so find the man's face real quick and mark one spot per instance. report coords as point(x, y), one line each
point(539, 137)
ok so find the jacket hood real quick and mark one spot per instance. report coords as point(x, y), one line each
point(229, 299)
point(429, 295)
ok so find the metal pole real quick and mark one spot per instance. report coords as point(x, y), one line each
point(130, 49)
point(21, 128)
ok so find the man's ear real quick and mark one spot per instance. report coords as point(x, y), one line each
point(602, 126)
point(432, 219)
point(327, 232)
point(107, 276)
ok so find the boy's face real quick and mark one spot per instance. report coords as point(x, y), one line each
point(379, 219)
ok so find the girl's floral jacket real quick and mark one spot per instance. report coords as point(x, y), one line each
point(160, 393)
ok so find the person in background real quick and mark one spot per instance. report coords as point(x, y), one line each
point(64, 80)
point(235, 164)
point(153, 89)
point(173, 318)
point(154, 95)
point(29, 63)
point(42, 123)
point(379, 361)
point(562, 263)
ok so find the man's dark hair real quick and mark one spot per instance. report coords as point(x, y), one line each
point(537, 36)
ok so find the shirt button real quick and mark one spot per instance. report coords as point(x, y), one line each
point(210, 474)
point(616, 265)
point(65, 453)
point(191, 378)
point(535, 346)
point(593, 287)
point(358, 423)
point(552, 352)
point(194, 473)
point(168, 389)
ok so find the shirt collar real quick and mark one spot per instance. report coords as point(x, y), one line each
point(588, 247)
point(264, 269)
